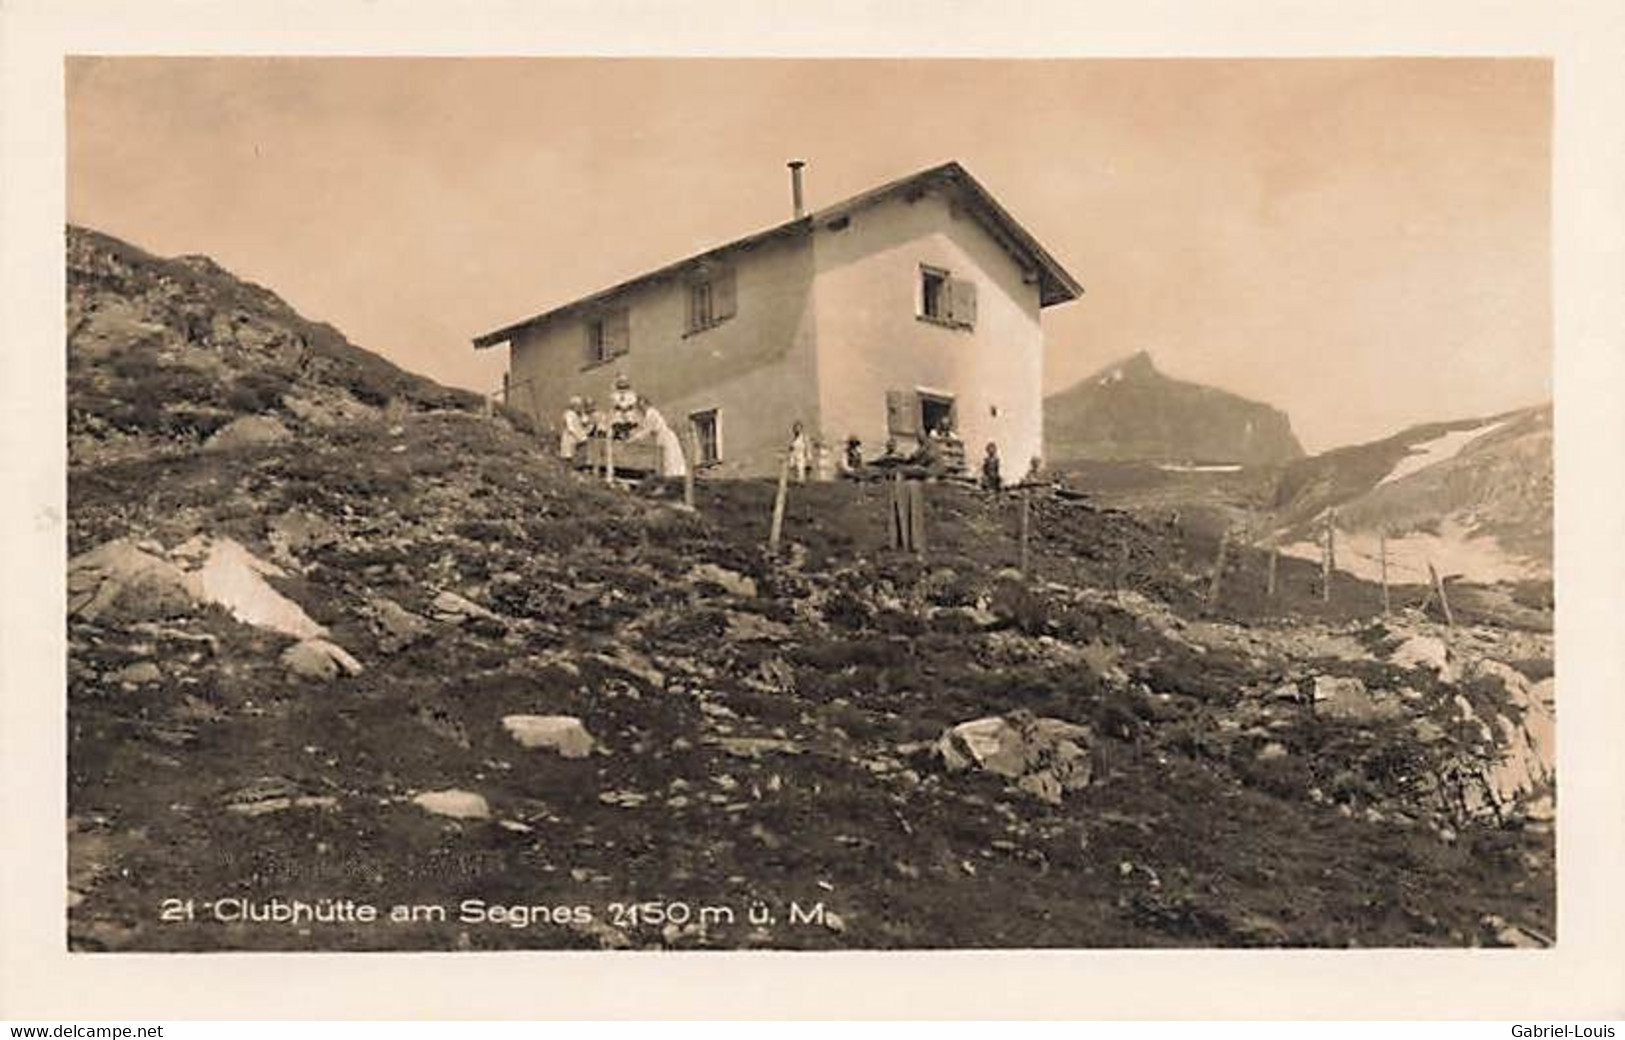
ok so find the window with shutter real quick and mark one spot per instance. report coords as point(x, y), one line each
point(946, 300)
point(699, 306)
point(964, 302)
point(609, 335)
point(934, 294)
point(725, 297)
point(902, 413)
point(711, 300)
point(619, 325)
point(707, 428)
point(596, 343)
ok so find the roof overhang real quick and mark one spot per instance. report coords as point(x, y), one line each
point(1055, 285)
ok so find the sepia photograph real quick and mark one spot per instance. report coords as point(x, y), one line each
point(808, 504)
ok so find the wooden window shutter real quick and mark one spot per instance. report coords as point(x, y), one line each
point(902, 413)
point(964, 302)
point(591, 344)
point(723, 298)
point(618, 332)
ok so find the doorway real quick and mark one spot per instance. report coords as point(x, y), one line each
point(936, 413)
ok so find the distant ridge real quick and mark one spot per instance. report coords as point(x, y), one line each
point(1130, 411)
point(1473, 497)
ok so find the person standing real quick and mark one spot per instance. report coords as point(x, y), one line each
point(991, 480)
point(908, 508)
point(852, 458)
point(572, 430)
point(653, 425)
point(594, 417)
point(800, 452)
point(623, 408)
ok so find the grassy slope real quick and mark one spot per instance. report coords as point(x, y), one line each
point(1184, 840)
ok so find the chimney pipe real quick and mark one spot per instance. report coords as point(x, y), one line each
point(795, 187)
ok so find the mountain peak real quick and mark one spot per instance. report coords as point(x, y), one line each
point(1138, 364)
point(1131, 411)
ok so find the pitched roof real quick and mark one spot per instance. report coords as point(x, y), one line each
point(1055, 285)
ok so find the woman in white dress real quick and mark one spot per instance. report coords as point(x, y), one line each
point(653, 424)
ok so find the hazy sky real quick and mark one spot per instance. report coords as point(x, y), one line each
point(1363, 243)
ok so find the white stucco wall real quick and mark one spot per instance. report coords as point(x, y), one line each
point(870, 340)
point(757, 368)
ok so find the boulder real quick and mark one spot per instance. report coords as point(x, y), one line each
point(458, 804)
point(234, 578)
point(141, 673)
point(1526, 771)
point(249, 431)
point(1045, 757)
point(756, 747)
point(746, 628)
point(455, 609)
point(266, 806)
point(1513, 683)
point(564, 734)
point(1287, 691)
point(1345, 697)
point(330, 410)
point(1506, 933)
point(1421, 651)
point(320, 660)
point(398, 628)
point(731, 582)
point(120, 578)
point(297, 531)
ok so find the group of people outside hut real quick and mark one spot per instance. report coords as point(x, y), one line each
point(631, 418)
point(939, 453)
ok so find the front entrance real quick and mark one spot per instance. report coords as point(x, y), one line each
point(936, 413)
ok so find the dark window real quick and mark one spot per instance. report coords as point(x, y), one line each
point(597, 342)
point(936, 413)
point(711, 300)
point(934, 294)
point(608, 336)
point(699, 305)
point(707, 437)
point(946, 299)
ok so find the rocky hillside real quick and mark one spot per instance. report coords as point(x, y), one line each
point(1473, 497)
point(1129, 411)
point(396, 667)
point(163, 354)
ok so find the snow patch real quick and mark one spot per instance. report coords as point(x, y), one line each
point(1192, 467)
point(1454, 550)
point(1440, 449)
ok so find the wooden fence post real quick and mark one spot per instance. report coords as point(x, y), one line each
point(777, 528)
point(1382, 557)
point(1026, 525)
point(1218, 566)
point(1444, 600)
point(1269, 574)
point(1119, 570)
point(609, 458)
point(1328, 558)
point(688, 473)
